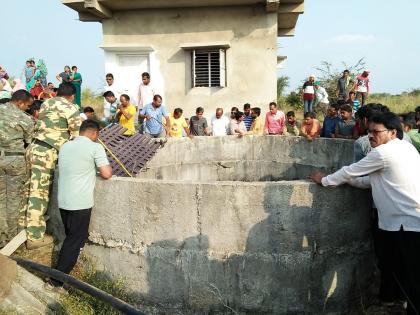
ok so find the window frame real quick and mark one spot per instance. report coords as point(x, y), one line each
point(221, 67)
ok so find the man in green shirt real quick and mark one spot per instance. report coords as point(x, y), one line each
point(78, 162)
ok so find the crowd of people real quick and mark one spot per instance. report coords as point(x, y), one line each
point(35, 82)
point(31, 143)
point(340, 119)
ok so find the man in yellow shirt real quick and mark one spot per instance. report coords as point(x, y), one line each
point(257, 126)
point(126, 114)
point(177, 124)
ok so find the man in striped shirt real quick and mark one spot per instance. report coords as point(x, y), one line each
point(247, 116)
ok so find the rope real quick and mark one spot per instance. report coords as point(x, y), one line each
point(115, 158)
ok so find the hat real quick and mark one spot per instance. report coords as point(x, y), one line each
point(317, 83)
point(311, 76)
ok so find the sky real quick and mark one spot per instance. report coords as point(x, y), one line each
point(382, 32)
point(385, 33)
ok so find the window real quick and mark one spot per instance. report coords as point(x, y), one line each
point(208, 67)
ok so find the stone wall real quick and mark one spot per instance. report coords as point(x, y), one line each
point(251, 158)
point(198, 245)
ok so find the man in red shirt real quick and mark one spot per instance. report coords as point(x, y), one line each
point(308, 94)
point(361, 87)
point(274, 121)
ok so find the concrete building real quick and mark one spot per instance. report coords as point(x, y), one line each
point(206, 53)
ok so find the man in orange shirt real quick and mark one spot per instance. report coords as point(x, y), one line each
point(311, 128)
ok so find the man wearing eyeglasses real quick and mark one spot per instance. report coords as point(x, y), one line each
point(392, 170)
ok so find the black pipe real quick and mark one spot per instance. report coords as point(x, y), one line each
point(87, 288)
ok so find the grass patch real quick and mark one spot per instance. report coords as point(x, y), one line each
point(399, 104)
point(78, 302)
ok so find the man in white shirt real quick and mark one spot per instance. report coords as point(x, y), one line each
point(145, 92)
point(321, 102)
point(392, 170)
point(219, 124)
point(145, 96)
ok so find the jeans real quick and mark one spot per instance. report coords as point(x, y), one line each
point(307, 106)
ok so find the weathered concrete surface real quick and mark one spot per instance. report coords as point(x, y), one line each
point(24, 293)
point(253, 158)
point(199, 246)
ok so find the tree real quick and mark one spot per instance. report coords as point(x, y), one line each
point(282, 84)
point(294, 99)
point(329, 75)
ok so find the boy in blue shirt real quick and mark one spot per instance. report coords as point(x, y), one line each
point(330, 121)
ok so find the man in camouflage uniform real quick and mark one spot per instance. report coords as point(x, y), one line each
point(59, 120)
point(16, 128)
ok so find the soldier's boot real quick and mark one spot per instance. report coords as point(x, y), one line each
point(45, 241)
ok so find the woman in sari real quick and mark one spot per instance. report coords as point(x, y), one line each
point(30, 74)
point(76, 80)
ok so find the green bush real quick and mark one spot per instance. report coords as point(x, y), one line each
point(294, 100)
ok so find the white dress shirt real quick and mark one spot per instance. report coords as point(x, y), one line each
point(145, 94)
point(220, 126)
point(394, 175)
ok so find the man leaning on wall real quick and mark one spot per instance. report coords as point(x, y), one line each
point(392, 170)
point(78, 162)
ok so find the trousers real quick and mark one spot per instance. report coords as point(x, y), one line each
point(13, 176)
point(402, 261)
point(362, 96)
point(41, 162)
point(76, 227)
point(307, 106)
point(321, 107)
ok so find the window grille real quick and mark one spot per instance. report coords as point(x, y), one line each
point(209, 68)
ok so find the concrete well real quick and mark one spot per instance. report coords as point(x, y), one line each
point(221, 224)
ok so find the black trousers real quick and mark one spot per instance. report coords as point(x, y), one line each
point(400, 262)
point(76, 226)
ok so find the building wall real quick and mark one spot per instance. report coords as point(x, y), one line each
point(250, 61)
